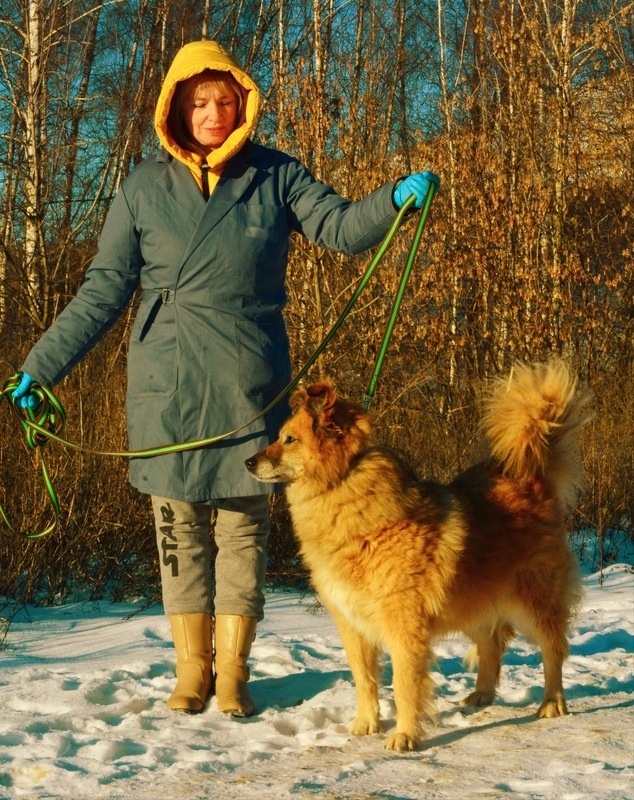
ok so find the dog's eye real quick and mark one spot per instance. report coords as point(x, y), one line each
point(289, 439)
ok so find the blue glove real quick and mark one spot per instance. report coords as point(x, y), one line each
point(22, 396)
point(418, 185)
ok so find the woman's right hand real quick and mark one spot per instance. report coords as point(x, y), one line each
point(22, 395)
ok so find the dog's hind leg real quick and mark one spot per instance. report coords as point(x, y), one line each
point(490, 648)
point(363, 660)
point(553, 643)
point(548, 608)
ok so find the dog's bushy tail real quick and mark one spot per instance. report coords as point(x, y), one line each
point(531, 421)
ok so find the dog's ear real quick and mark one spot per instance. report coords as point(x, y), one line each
point(319, 400)
point(299, 399)
point(322, 397)
point(334, 416)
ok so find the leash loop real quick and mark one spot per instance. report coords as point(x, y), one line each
point(40, 423)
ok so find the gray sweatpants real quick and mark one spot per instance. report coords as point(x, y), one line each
point(240, 526)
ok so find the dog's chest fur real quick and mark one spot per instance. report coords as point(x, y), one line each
point(363, 540)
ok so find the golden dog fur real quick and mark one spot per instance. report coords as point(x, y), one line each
point(398, 561)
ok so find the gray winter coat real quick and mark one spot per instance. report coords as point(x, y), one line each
point(208, 350)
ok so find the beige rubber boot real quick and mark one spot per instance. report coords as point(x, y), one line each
point(194, 656)
point(234, 637)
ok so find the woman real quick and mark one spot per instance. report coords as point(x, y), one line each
point(203, 227)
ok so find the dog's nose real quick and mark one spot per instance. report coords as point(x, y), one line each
point(250, 463)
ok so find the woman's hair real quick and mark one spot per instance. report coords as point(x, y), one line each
point(186, 91)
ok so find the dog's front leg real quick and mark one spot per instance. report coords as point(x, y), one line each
point(363, 659)
point(412, 692)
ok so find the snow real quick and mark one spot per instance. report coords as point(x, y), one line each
point(83, 690)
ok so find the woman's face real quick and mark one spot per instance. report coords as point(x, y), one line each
point(211, 114)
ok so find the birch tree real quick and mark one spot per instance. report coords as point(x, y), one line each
point(48, 51)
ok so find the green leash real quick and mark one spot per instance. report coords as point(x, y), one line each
point(47, 419)
point(367, 398)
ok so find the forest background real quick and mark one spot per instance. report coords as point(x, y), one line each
point(524, 108)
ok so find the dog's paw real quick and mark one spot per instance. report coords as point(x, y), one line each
point(552, 707)
point(479, 698)
point(400, 742)
point(364, 727)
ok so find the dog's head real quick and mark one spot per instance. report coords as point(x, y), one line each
point(317, 443)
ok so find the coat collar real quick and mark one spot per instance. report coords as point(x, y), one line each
point(235, 179)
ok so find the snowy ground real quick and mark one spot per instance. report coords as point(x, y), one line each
point(83, 715)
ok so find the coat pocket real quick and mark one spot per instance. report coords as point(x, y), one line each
point(263, 357)
point(265, 231)
point(152, 368)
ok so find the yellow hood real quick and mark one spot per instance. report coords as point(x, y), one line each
point(190, 60)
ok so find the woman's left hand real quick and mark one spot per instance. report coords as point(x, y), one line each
point(417, 184)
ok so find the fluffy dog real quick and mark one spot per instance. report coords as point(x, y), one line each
point(398, 561)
